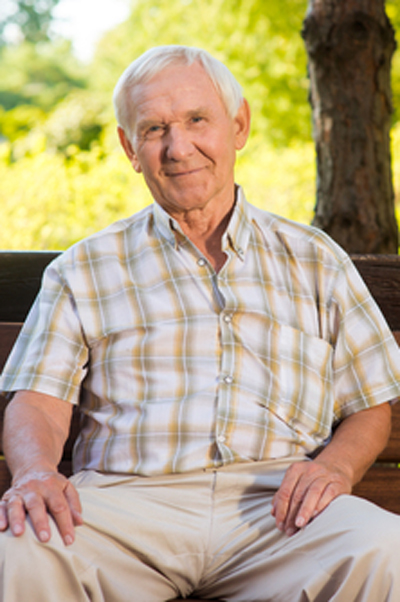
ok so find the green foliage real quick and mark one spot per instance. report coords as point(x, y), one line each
point(39, 75)
point(259, 41)
point(31, 17)
point(393, 12)
point(63, 175)
point(77, 121)
point(49, 201)
point(18, 122)
point(396, 167)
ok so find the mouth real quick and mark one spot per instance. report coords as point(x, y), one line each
point(183, 172)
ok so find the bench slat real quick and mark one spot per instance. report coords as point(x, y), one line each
point(20, 278)
point(5, 477)
point(382, 276)
point(392, 451)
point(8, 334)
point(381, 485)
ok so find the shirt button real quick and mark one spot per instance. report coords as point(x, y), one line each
point(228, 380)
point(228, 318)
point(201, 262)
point(221, 439)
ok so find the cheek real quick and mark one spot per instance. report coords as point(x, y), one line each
point(221, 149)
point(148, 163)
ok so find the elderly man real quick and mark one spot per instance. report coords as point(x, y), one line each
point(212, 348)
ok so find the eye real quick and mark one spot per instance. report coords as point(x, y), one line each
point(154, 131)
point(197, 119)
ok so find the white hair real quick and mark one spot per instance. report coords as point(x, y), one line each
point(156, 59)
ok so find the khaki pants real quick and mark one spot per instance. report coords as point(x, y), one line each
point(208, 532)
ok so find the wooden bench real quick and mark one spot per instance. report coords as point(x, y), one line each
point(20, 276)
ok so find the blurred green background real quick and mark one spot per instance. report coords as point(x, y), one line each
point(62, 173)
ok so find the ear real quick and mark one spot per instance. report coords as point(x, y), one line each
point(129, 150)
point(242, 125)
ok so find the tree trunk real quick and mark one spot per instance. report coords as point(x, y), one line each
point(350, 44)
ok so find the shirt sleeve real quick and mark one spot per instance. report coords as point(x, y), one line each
point(50, 355)
point(366, 357)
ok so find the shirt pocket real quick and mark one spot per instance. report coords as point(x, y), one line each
point(303, 397)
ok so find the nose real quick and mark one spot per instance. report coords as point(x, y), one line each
point(178, 145)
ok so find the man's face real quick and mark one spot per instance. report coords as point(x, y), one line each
point(183, 140)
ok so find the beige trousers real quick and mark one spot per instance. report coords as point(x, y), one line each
point(209, 532)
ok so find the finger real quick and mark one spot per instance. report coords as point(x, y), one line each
point(305, 495)
point(59, 508)
point(331, 492)
point(309, 504)
point(35, 506)
point(74, 503)
point(316, 498)
point(15, 512)
point(299, 496)
point(283, 498)
point(3, 515)
point(46, 494)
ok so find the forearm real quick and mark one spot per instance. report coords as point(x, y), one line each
point(35, 431)
point(309, 487)
point(357, 441)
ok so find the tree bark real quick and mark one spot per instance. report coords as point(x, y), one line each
point(350, 44)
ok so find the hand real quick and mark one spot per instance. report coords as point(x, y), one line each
point(39, 494)
point(307, 488)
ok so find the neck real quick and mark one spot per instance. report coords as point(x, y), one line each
point(206, 233)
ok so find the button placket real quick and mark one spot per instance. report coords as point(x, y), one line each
point(226, 344)
point(227, 364)
point(226, 380)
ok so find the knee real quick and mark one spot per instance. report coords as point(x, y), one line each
point(367, 529)
point(358, 542)
point(14, 550)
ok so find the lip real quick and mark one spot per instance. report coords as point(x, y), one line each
point(180, 174)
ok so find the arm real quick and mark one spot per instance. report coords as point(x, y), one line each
point(308, 487)
point(35, 430)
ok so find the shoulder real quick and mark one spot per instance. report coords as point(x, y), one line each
point(293, 238)
point(119, 240)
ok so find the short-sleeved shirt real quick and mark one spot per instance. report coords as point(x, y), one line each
point(177, 367)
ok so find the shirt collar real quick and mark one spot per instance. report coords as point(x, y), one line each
point(166, 225)
point(236, 236)
point(238, 231)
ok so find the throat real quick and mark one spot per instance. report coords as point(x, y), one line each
point(210, 248)
point(209, 241)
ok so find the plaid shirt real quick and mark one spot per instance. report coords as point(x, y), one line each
point(182, 368)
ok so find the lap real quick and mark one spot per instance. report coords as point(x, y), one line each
point(141, 539)
point(345, 554)
point(212, 533)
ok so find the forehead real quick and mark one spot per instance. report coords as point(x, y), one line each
point(176, 88)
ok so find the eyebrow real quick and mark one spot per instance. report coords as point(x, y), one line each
point(199, 110)
point(146, 123)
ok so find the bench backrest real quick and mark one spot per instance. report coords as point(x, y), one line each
point(20, 277)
